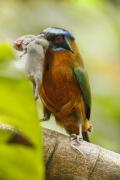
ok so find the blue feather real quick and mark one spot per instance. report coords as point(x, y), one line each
point(59, 31)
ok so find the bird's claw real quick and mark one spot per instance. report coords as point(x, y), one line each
point(76, 142)
point(76, 138)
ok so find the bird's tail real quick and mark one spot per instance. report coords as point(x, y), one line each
point(85, 136)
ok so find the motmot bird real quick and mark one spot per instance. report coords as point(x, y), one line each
point(65, 89)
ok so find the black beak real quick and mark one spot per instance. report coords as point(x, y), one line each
point(67, 45)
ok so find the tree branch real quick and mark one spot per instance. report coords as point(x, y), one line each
point(86, 162)
point(79, 162)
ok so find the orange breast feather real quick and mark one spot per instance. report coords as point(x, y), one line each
point(60, 91)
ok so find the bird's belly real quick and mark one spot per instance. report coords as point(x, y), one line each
point(61, 88)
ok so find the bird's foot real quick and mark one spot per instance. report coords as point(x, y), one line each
point(76, 142)
point(76, 138)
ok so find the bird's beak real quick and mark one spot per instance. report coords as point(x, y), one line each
point(67, 45)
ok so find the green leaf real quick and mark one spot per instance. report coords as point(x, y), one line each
point(19, 163)
point(18, 109)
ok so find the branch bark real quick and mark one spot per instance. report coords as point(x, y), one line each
point(83, 161)
point(86, 162)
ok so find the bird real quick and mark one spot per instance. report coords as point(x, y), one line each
point(65, 88)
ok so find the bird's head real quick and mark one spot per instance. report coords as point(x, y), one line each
point(59, 39)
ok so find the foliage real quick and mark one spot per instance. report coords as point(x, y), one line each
point(17, 110)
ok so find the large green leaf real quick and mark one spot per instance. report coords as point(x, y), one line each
point(17, 109)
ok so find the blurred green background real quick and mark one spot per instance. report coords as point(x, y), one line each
point(96, 26)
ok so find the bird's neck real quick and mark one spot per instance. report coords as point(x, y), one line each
point(57, 58)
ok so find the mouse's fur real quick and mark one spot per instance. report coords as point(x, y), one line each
point(36, 50)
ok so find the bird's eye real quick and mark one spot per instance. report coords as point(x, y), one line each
point(59, 39)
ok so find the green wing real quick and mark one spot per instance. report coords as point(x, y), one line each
point(82, 79)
